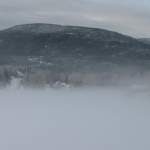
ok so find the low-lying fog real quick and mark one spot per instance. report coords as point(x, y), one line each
point(98, 119)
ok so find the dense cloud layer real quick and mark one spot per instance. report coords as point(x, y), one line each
point(74, 120)
point(129, 17)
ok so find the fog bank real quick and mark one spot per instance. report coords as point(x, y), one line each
point(74, 120)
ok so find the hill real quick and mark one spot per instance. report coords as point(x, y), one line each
point(145, 40)
point(55, 45)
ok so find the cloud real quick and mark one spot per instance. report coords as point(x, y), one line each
point(89, 119)
point(128, 17)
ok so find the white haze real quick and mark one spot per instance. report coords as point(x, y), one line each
point(98, 119)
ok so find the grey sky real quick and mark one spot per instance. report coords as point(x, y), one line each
point(130, 17)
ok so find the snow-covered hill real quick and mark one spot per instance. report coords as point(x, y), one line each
point(48, 39)
point(69, 47)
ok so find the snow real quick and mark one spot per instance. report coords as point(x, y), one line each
point(98, 119)
point(32, 60)
point(60, 85)
point(38, 28)
point(47, 64)
point(19, 73)
point(69, 33)
point(15, 83)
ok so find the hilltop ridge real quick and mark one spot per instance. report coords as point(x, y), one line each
point(48, 39)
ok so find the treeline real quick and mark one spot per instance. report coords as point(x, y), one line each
point(5, 76)
point(35, 77)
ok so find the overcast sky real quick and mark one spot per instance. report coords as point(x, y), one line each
point(129, 17)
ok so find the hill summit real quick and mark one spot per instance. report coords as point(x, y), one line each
point(48, 39)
